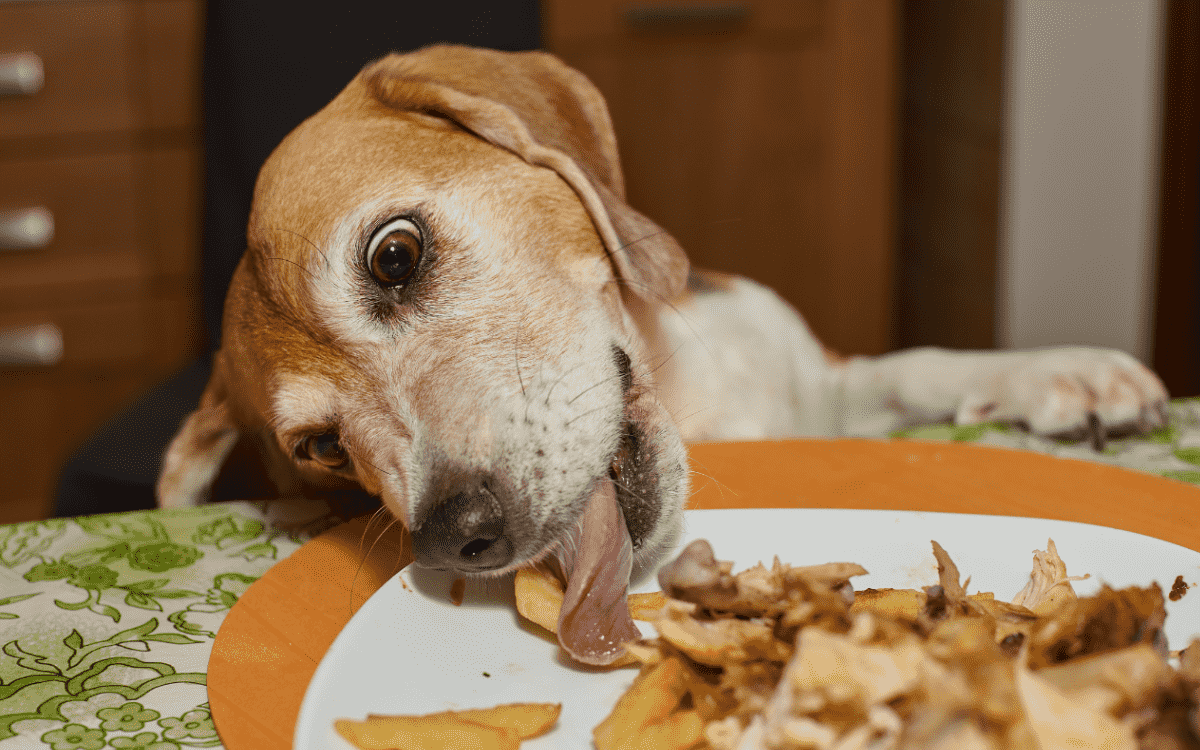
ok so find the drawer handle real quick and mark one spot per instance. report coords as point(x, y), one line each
point(26, 228)
point(21, 74)
point(657, 16)
point(38, 345)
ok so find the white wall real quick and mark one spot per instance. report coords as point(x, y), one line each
point(1079, 174)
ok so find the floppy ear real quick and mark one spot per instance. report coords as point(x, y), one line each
point(534, 105)
point(198, 450)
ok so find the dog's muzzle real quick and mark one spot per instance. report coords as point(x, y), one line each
point(465, 533)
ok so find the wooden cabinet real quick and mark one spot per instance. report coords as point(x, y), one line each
point(99, 221)
point(761, 134)
point(953, 61)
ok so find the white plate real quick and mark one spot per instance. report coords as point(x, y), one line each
point(409, 650)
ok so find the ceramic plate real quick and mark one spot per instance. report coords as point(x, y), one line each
point(409, 650)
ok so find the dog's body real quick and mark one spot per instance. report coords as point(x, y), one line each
point(741, 364)
point(446, 301)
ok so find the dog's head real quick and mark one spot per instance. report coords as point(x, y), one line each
point(438, 304)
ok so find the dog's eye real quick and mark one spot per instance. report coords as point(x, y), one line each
point(394, 251)
point(325, 449)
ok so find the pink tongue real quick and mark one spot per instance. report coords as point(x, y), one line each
point(594, 621)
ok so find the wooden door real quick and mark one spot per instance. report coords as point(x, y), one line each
point(762, 136)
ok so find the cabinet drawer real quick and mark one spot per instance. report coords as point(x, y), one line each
point(88, 52)
point(97, 216)
point(152, 331)
point(117, 218)
point(568, 22)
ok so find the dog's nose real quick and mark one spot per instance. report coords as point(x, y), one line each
point(465, 533)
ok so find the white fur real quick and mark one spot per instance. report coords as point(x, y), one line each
point(741, 364)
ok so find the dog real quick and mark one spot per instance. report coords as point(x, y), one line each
point(446, 301)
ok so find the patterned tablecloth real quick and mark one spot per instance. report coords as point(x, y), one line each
point(107, 622)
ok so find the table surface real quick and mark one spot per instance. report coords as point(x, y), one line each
point(107, 623)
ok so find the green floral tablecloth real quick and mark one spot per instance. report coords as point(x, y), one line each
point(107, 622)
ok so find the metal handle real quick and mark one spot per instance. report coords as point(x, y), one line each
point(657, 16)
point(21, 74)
point(38, 345)
point(26, 228)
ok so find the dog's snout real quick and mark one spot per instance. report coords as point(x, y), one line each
point(465, 533)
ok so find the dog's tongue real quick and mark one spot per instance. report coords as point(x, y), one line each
point(594, 621)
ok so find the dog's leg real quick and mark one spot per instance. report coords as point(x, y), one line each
point(1074, 391)
point(205, 439)
point(194, 458)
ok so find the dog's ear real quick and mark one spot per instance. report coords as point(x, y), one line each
point(197, 452)
point(534, 105)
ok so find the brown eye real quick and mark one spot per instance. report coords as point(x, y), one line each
point(394, 251)
point(325, 449)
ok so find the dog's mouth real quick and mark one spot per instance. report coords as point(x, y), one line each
point(594, 621)
point(597, 560)
point(632, 484)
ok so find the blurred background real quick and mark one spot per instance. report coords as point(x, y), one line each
point(994, 173)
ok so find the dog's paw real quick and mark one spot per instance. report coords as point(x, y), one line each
point(1075, 393)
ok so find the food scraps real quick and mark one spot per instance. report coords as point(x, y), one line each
point(792, 658)
point(498, 728)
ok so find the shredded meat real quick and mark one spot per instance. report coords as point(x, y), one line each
point(785, 658)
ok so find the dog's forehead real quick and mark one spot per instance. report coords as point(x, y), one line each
point(355, 153)
point(357, 163)
point(334, 162)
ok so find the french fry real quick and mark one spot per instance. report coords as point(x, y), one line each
point(539, 597)
point(653, 696)
point(528, 720)
point(443, 731)
point(645, 607)
point(893, 603)
point(678, 731)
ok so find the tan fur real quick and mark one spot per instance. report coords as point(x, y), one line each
point(501, 359)
point(504, 358)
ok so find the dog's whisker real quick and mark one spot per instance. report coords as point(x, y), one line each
point(294, 263)
point(306, 239)
point(528, 403)
point(627, 247)
point(665, 360)
point(354, 455)
point(534, 380)
point(667, 303)
point(560, 379)
point(362, 540)
point(680, 417)
point(363, 560)
point(627, 488)
point(721, 486)
point(584, 414)
point(593, 385)
point(517, 359)
point(693, 470)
